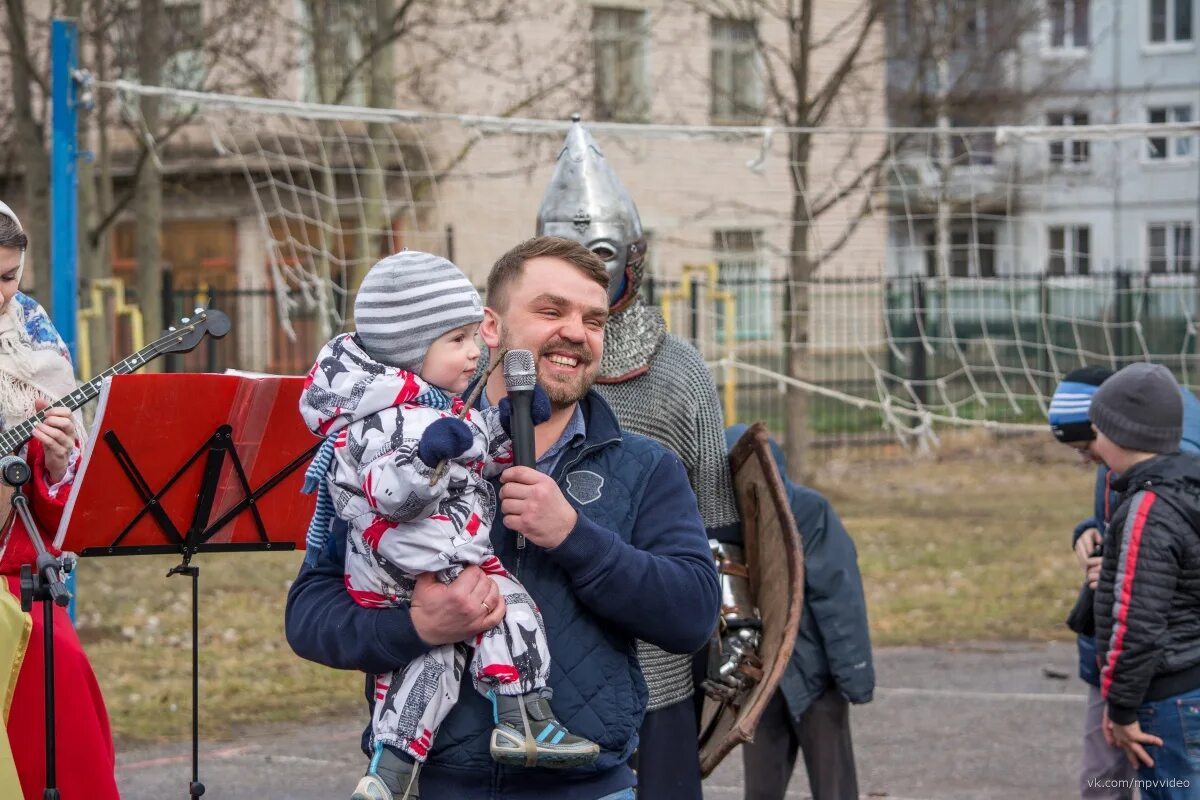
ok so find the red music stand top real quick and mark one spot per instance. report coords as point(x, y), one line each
point(192, 462)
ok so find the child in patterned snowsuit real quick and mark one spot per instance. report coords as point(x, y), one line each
point(385, 399)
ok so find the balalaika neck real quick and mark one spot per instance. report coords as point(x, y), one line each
point(17, 435)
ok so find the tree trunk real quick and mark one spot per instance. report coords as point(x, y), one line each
point(31, 144)
point(89, 216)
point(375, 241)
point(800, 272)
point(148, 199)
point(100, 187)
point(325, 204)
point(945, 167)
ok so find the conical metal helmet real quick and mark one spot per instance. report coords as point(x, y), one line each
point(587, 202)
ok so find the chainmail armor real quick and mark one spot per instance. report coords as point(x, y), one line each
point(675, 402)
point(630, 338)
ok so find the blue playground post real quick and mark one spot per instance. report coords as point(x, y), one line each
point(64, 193)
point(64, 179)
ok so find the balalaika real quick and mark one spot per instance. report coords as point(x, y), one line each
point(182, 337)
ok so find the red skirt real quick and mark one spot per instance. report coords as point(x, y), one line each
point(85, 759)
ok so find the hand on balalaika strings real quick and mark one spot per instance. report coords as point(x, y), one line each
point(57, 434)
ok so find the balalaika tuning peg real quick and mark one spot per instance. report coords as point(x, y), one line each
point(171, 329)
point(198, 310)
point(185, 320)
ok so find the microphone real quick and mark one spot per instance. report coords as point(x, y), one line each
point(520, 377)
point(14, 471)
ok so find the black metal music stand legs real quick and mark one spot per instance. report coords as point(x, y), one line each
point(195, 788)
point(43, 586)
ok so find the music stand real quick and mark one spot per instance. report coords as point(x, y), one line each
point(189, 464)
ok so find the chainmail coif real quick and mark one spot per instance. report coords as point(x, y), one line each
point(675, 402)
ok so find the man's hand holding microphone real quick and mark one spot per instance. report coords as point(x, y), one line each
point(531, 502)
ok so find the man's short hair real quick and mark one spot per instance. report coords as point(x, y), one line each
point(510, 265)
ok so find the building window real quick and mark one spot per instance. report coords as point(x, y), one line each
point(1068, 151)
point(972, 23)
point(742, 271)
point(183, 65)
point(1170, 248)
point(901, 24)
point(183, 35)
point(1170, 21)
point(972, 253)
point(736, 79)
point(1070, 250)
point(1068, 21)
point(1169, 148)
point(973, 148)
point(335, 40)
point(619, 46)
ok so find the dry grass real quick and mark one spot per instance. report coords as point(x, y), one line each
point(136, 626)
point(974, 544)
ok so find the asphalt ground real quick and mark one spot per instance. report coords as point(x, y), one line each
point(983, 720)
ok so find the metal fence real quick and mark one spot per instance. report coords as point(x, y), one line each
point(968, 349)
point(256, 342)
point(963, 350)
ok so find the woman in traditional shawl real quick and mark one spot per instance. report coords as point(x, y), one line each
point(35, 368)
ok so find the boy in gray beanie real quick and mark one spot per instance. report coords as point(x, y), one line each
point(1147, 605)
point(386, 401)
point(1140, 409)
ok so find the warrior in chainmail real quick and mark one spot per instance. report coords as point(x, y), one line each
point(659, 386)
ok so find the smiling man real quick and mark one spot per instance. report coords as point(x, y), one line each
point(613, 551)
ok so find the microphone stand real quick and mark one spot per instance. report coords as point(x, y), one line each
point(45, 585)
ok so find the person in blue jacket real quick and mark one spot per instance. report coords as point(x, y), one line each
point(605, 535)
point(1105, 773)
point(830, 667)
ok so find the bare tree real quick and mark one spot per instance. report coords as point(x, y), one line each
point(951, 56)
point(380, 52)
point(29, 91)
point(218, 59)
point(801, 97)
point(148, 200)
point(373, 52)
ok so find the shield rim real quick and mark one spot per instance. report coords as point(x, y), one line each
point(755, 442)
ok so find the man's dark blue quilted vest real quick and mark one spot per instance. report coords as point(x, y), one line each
point(599, 692)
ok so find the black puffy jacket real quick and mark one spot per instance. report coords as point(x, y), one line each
point(1148, 599)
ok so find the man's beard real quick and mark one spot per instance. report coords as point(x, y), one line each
point(563, 391)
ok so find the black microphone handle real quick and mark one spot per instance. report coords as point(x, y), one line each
point(521, 423)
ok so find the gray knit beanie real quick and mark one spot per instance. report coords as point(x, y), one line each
point(408, 300)
point(1140, 408)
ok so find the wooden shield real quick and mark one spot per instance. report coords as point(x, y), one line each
point(775, 561)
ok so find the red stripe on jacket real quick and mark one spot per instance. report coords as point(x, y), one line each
point(1120, 624)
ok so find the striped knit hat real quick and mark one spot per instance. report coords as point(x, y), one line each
point(1069, 405)
point(406, 302)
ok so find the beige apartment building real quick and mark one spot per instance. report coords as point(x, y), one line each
point(679, 99)
point(703, 197)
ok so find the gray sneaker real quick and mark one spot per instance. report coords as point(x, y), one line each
point(372, 787)
point(528, 734)
point(391, 778)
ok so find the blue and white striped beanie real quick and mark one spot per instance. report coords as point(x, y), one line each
point(1071, 401)
point(408, 300)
